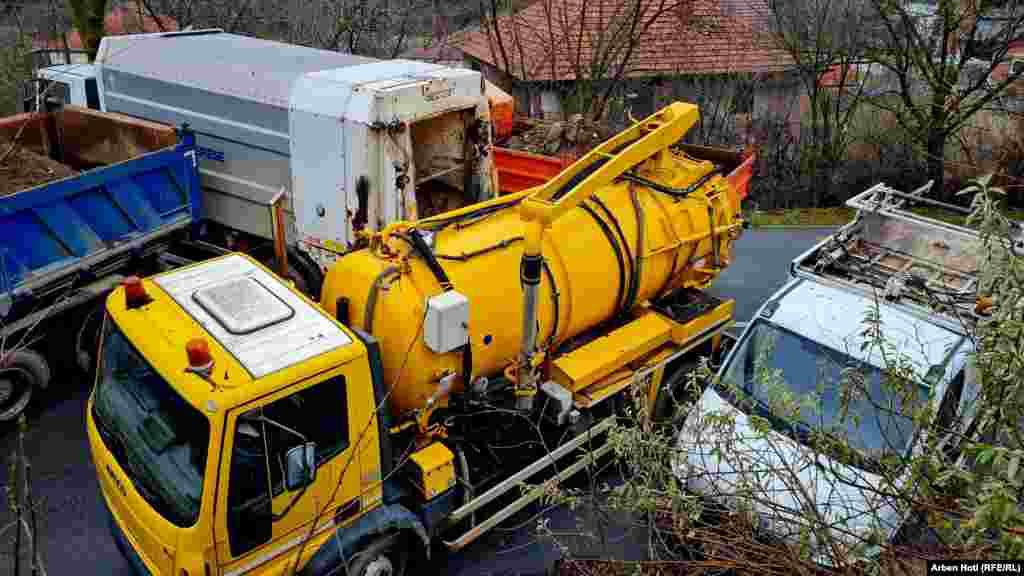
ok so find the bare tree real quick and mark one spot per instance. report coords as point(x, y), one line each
point(14, 65)
point(829, 57)
point(24, 509)
point(88, 18)
point(590, 45)
point(941, 57)
point(379, 29)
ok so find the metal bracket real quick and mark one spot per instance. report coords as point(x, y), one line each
point(562, 397)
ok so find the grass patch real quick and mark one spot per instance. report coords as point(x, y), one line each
point(803, 217)
point(842, 215)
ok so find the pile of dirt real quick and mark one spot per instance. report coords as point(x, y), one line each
point(574, 136)
point(25, 169)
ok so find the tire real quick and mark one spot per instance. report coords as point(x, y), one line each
point(302, 271)
point(384, 556)
point(21, 372)
point(672, 393)
point(306, 274)
point(87, 340)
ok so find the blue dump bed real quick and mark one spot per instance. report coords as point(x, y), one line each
point(79, 228)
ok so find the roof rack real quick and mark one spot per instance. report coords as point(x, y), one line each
point(923, 264)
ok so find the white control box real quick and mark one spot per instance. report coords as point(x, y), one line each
point(446, 326)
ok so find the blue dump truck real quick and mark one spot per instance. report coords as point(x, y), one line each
point(125, 201)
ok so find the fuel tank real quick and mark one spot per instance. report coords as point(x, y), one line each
point(627, 233)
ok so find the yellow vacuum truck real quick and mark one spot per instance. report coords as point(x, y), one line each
point(239, 428)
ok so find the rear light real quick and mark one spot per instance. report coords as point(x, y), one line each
point(135, 293)
point(199, 359)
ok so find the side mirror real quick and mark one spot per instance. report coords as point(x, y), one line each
point(301, 466)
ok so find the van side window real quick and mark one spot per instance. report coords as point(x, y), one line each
point(262, 437)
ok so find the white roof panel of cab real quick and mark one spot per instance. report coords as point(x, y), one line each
point(252, 314)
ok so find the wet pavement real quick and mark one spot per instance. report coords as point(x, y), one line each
point(74, 538)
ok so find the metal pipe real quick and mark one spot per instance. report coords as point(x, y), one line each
point(524, 500)
point(538, 465)
point(468, 485)
point(526, 387)
point(280, 245)
point(915, 198)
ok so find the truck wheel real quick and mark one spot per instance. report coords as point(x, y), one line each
point(384, 556)
point(87, 340)
point(21, 372)
point(305, 273)
point(673, 392)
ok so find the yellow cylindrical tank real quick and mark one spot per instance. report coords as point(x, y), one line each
point(481, 257)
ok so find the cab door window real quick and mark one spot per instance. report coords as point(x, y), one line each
point(262, 437)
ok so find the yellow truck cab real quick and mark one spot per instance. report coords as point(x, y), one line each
point(225, 420)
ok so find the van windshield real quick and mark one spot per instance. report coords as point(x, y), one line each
point(154, 434)
point(877, 417)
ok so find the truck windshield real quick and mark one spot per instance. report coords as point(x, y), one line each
point(875, 416)
point(157, 438)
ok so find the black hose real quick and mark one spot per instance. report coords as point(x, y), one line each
point(639, 211)
point(579, 177)
point(631, 278)
point(586, 172)
point(420, 246)
point(371, 298)
point(674, 192)
point(434, 224)
point(467, 255)
point(554, 301)
point(615, 248)
point(467, 365)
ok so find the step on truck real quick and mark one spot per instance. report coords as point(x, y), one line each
point(919, 277)
point(104, 196)
point(237, 427)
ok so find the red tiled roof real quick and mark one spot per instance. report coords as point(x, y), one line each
point(438, 52)
point(126, 19)
point(676, 37)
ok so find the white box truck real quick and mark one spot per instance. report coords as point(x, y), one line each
point(334, 143)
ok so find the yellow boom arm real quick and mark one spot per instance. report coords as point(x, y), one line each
point(568, 190)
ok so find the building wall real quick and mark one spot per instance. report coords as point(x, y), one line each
point(735, 108)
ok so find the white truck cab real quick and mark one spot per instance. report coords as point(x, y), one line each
point(73, 84)
point(919, 276)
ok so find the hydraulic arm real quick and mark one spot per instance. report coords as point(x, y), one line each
point(582, 180)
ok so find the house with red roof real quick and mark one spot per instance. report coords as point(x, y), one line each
point(539, 52)
point(128, 18)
